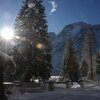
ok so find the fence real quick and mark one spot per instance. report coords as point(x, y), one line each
point(17, 88)
point(32, 87)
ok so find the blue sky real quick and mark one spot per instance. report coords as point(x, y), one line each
point(65, 12)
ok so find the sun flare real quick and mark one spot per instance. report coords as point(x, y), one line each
point(7, 33)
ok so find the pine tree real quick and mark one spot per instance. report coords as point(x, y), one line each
point(84, 69)
point(98, 63)
point(88, 51)
point(20, 63)
point(31, 26)
point(71, 66)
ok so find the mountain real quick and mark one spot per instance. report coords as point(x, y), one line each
point(77, 30)
point(52, 35)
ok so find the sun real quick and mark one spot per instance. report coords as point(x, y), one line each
point(7, 33)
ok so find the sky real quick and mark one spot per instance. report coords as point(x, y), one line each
point(59, 12)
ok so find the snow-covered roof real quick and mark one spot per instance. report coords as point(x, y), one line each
point(6, 58)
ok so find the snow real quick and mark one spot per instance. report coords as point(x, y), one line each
point(75, 85)
point(90, 93)
point(73, 94)
point(31, 5)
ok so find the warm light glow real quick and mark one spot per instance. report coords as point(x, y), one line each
point(7, 33)
point(39, 46)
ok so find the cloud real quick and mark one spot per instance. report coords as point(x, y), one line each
point(54, 7)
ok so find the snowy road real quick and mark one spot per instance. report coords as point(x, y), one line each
point(92, 93)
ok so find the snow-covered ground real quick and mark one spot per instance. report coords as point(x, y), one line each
point(89, 93)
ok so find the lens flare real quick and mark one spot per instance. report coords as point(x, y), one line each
point(7, 33)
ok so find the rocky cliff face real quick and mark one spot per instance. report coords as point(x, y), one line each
point(77, 30)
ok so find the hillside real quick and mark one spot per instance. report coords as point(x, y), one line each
point(77, 30)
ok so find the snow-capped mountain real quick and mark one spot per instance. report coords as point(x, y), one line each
point(77, 30)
